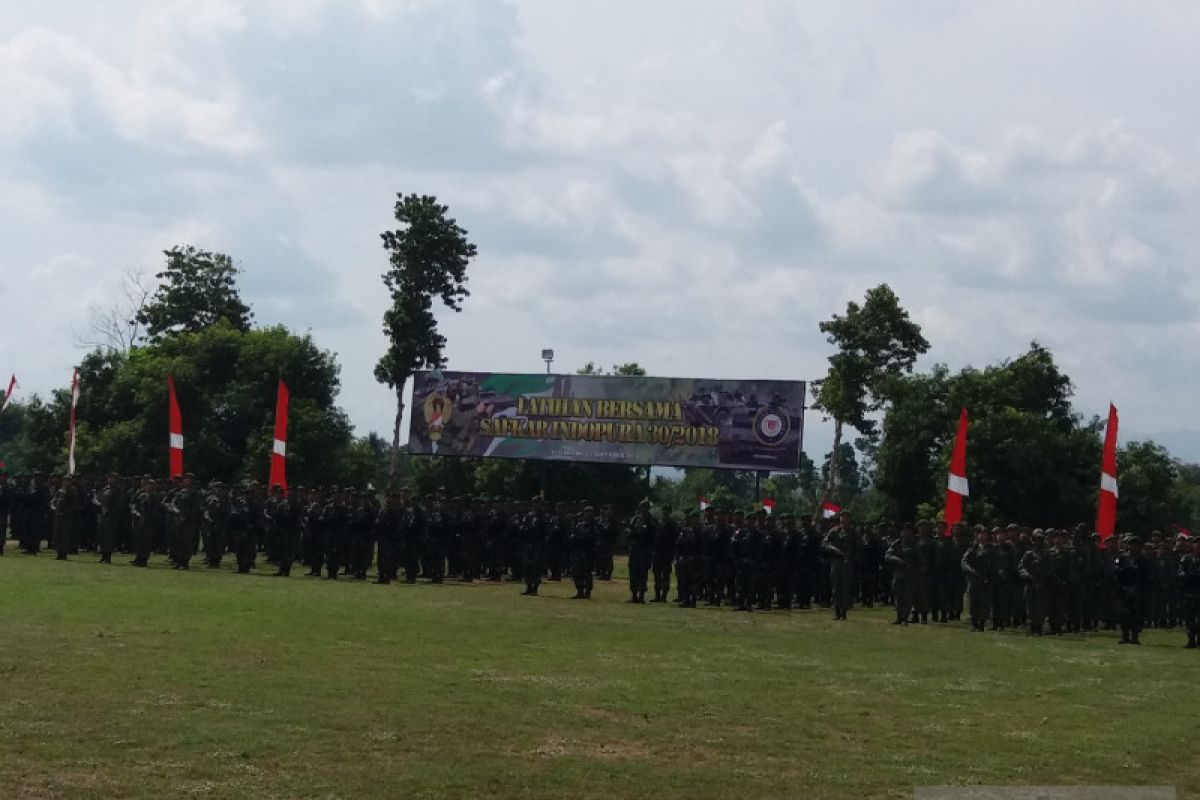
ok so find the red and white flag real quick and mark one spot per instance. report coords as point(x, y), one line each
point(71, 432)
point(1106, 513)
point(174, 431)
point(279, 447)
point(768, 505)
point(12, 384)
point(957, 486)
point(830, 509)
point(704, 504)
point(1182, 531)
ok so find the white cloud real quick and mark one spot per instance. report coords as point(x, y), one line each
point(691, 185)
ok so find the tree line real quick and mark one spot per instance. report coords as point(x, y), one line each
point(1032, 457)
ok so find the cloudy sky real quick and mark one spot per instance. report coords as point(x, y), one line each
point(690, 185)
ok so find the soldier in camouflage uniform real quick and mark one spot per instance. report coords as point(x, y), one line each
point(556, 542)
point(760, 540)
point(147, 511)
point(745, 564)
point(581, 546)
point(386, 532)
point(1188, 574)
point(187, 510)
point(839, 547)
point(810, 562)
point(688, 565)
point(108, 502)
point(433, 554)
point(215, 524)
point(472, 532)
point(1096, 588)
point(362, 529)
point(1133, 573)
point(642, 532)
point(789, 562)
point(335, 519)
point(310, 527)
point(663, 557)
point(713, 551)
point(873, 550)
point(903, 557)
point(1078, 618)
point(242, 529)
point(951, 578)
point(1032, 570)
point(1058, 582)
point(64, 506)
point(497, 522)
point(412, 534)
point(608, 531)
point(1004, 565)
point(925, 579)
point(280, 535)
point(535, 532)
point(978, 564)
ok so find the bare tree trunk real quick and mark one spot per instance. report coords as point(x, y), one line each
point(396, 433)
point(831, 481)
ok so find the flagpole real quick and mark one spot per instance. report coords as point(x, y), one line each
point(71, 431)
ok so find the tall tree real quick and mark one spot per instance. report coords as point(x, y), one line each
point(428, 257)
point(197, 290)
point(876, 342)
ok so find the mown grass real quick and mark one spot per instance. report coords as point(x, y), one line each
point(118, 682)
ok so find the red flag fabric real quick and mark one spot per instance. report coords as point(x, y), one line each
point(768, 505)
point(279, 447)
point(957, 486)
point(703, 503)
point(71, 432)
point(829, 509)
point(174, 431)
point(1106, 513)
point(12, 384)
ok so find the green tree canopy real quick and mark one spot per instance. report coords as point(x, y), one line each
point(876, 343)
point(196, 290)
point(1030, 458)
point(226, 382)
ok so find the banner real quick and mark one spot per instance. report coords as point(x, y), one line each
point(174, 432)
point(683, 422)
point(278, 475)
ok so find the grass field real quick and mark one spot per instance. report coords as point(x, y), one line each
point(119, 682)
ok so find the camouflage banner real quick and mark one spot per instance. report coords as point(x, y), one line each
point(683, 422)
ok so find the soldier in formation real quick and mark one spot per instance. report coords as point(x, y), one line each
point(1047, 582)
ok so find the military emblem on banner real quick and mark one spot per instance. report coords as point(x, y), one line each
point(771, 427)
point(438, 410)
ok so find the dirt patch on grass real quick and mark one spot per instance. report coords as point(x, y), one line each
point(64, 782)
point(611, 750)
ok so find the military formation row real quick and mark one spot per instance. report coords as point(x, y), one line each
point(1051, 581)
